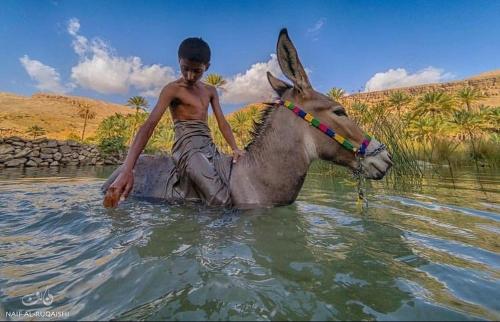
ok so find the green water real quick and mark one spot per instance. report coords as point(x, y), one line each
point(419, 253)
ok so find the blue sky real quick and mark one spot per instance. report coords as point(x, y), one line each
point(112, 50)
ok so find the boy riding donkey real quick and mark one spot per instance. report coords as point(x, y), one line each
point(200, 172)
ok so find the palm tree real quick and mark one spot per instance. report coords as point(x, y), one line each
point(85, 112)
point(215, 80)
point(434, 103)
point(426, 129)
point(398, 100)
point(35, 131)
point(140, 104)
point(469, 95)
point(336, 94)
point(471, 124)
point(241, 124)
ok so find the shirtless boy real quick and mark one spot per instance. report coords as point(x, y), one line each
point(188, 99)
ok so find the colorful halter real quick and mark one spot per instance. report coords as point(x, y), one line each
point(359, 151)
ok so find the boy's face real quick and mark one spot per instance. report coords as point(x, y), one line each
point(192, 71)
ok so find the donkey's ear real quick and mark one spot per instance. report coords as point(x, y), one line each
point(278, 85)
point(290, 63)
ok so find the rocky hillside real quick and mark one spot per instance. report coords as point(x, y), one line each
point(488, 83)
point(54, 113)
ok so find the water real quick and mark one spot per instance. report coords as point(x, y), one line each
point(431, 252)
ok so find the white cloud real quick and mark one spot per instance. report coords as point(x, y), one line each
point(47, 78)
point(315, 30)
point(252, 85)
point(399, 77)
point(103, 71)
point(317, 26)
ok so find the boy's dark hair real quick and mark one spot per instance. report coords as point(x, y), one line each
point(195, 49)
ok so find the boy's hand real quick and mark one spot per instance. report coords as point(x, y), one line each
point(119, 189)
point(237, 153)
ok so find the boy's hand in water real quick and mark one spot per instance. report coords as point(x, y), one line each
point(119, 189)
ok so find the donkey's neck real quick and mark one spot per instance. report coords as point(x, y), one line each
point(276, 164)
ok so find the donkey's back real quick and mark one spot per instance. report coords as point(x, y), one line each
point(154, 177)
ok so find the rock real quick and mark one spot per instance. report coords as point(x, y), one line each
point(22, 153)
point(17, 143)
point(55, 163)
point(108, 161)
point(81, 157)
point(44, 164)
point(49, 150)
point(74, 155)
point(50, 160)
point(73, 163)
point(57, 156)
point(72, 143)
point(93, 161)
point(29, 144)
point(40, 140)
point(37, 160)
point(99, 163)
point(6, 157)
point(35, 153)
point(31, 163)
point(62, 143)
point(46, 156)
point(94, 150)
point(52, 144)
point(15, 162)
point(65, 159)
point(16, 138)
point(65, 149)
point(6, 148)
point(86, 153)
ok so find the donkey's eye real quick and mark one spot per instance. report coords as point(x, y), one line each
point(340, 112)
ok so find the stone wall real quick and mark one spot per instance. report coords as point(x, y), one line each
point(19, 152)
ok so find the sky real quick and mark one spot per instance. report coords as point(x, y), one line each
point(112, 50)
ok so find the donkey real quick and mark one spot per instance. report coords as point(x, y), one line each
point(283, 145)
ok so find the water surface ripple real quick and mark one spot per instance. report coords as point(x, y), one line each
point(425, 253)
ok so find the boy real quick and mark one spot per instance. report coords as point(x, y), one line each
point(194, 154)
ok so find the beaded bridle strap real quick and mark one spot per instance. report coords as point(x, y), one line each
point(359, 151)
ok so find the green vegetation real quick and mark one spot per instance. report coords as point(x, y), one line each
point(215, 80)
point(336, 94)
point(86, 112)
point(433, 128)
point(35, 131)
point(140, 104)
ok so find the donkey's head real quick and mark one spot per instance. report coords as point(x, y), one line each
point(331, 113)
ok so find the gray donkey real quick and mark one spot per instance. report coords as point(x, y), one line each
point(283, 146)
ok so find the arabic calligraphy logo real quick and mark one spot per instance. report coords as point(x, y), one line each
point(32, 299)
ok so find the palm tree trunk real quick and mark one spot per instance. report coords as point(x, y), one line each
point(84, 125)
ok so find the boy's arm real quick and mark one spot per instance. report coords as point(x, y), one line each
point(121, 187)
point(146, 130)
point(224, 126)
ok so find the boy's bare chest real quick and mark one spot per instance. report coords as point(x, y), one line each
point(194, 97)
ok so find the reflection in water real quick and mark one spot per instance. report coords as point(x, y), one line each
point(430, 253)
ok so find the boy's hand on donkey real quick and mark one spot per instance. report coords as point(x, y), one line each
point(237, 154)
point(119, 189)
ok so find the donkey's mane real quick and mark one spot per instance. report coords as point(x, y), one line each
point(260, 125)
